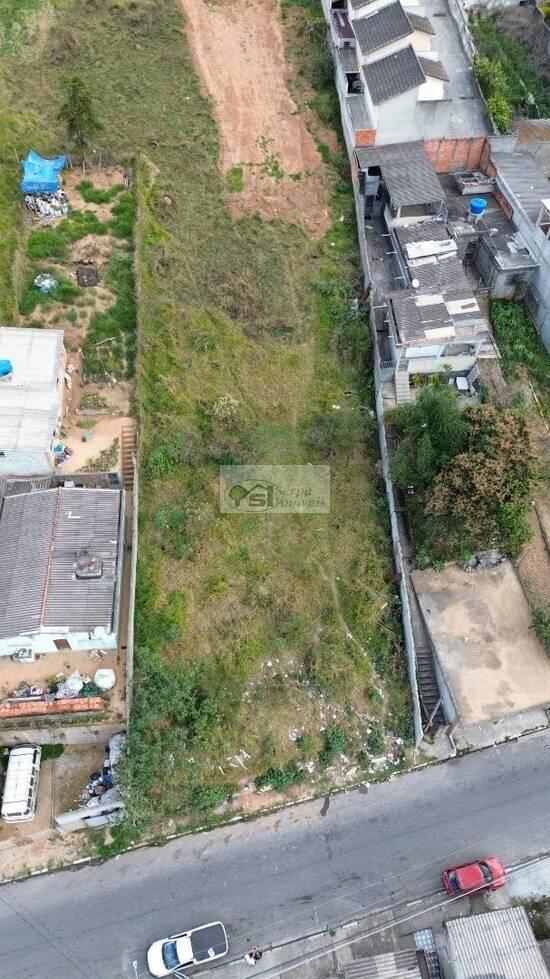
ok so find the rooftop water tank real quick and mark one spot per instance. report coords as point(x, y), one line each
point(477, 206)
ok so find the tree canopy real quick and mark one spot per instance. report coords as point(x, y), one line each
point(466, 474)
point(78, 114)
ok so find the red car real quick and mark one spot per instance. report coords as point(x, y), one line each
point(485, 874)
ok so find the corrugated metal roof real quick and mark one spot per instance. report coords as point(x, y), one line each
point(389, 965)
point(357, 4)
point(425, 231)
point(348, 59)
point(420, 23)
point(499, 944)
point(433, 69)
point(30, 398)
point(524, 178)
point(41, 534)
point(407, 172)
point(359, 113)
point(393, 75)
point(387, 25)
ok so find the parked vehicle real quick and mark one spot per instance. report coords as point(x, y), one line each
point(193, 947)
point(485, 874)
point(21, 783)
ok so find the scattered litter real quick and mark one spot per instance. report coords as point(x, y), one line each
point(45, 283)
point(96, 654)
point(48, 206)
point(104, 679)
point(483, 559)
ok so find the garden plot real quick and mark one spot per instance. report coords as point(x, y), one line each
point(88, 253)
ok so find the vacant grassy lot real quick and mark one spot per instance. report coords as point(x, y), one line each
point(276, 637)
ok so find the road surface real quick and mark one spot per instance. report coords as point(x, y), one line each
point(283, 875)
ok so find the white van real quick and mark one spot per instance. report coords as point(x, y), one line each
point(21, 783)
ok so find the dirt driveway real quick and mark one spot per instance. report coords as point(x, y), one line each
point(238, 52)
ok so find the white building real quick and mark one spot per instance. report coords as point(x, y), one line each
point(31, 400)
point(61, 569)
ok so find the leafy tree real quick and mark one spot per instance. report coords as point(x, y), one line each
point(432, 430)
point(78, 114)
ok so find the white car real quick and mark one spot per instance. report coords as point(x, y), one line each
point(193, 947)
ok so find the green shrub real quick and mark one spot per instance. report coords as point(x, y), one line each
point(92, 195)
point(203, 798)
point(52, 751)
point(78, 224)
point(493, 84)
point(541, 623)
point(234, 180)
point(375, 740)
point(280, 778)
point(334, 741)
point(124, 211)
point(501, 111)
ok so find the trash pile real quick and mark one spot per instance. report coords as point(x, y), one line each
point(45, 283)
point(48, 206)
point(101, 782)
point(61, 452)
point(483, 559)
point(67, 688)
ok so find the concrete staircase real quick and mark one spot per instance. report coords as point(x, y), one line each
point(402, 386)
point(427, 686)
point(128, 447)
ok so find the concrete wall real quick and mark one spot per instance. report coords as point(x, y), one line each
point(78, 732)
point(408, 636)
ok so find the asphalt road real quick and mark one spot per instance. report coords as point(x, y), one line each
point(279, 877)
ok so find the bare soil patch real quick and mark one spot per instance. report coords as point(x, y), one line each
point(238, 51)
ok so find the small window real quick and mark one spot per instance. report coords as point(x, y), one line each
point(61, 644)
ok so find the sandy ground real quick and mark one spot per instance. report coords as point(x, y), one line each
point(480, 624)
point(238, 51)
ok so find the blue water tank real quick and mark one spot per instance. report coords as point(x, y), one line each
point(478, 205)
point(6, 367)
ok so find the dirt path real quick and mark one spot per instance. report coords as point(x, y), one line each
point(238, 51)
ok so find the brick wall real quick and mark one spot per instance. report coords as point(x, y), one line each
point(447, 155)
point(365, 137)
point(78, 705)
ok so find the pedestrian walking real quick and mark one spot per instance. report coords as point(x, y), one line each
point(253, 956)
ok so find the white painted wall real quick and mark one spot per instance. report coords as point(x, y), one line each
point(433, 90)
point(43, 641)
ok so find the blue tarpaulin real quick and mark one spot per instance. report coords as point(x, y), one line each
point(6, 367)
point(41, 176)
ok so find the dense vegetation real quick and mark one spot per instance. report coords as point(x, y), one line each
point(465, 475)
point(523, 352)
point(506, 76)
